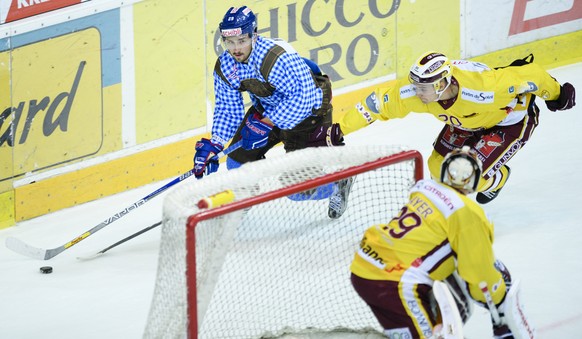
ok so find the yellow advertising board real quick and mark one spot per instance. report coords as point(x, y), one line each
point(56, 103)
point(351, 41)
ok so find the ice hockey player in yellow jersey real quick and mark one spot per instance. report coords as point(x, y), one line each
point(438, 233)
point(491, 110)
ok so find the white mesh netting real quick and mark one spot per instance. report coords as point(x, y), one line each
point(281, 266)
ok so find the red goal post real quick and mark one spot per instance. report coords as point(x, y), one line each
point(261, 190)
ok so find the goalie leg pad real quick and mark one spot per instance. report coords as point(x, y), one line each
point(515, 316)
point(452, 324)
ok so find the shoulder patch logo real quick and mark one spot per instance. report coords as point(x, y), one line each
point(372, 103)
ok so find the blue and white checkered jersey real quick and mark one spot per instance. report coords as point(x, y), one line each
point(293, 100)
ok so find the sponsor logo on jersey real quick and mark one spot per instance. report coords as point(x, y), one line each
point(233, 74)
point(511, 89)
point(505, 158)
point(477, 96)
point(371, 256)
point(386, 99)
point(372, 103)
point(407, 91)
point(454, 137)
point(362, 110)
point(398, 333)
point(418, 313)
point(489, 143)
point(417, 262)
point(444, 199)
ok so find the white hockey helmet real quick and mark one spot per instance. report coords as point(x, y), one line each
point(461, 169)
point(429, 70)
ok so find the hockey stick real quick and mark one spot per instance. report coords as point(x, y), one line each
point(490, 305)
point(23, 248)
point(93, 256)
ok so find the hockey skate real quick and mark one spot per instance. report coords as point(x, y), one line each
point(486, 197)
point(338, 201)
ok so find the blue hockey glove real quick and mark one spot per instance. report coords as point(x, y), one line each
point(203, 162)
point(255, 133)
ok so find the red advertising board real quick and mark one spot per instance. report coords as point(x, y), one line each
point(20, 9)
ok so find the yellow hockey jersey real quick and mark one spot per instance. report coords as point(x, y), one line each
point(437, 231)
point(486, 98)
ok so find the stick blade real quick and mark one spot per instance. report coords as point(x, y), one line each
point(20, 247)
point(90, 256)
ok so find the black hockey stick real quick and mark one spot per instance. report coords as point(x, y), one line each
point(23, 248)
point(93, 256)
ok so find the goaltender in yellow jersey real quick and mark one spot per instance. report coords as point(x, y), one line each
point(440, 234)
point(444, 223)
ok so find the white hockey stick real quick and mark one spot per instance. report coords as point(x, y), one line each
point(490, 304)
point(23, 248)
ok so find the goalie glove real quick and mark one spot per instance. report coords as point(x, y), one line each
point(326, 136)
point(203, 158)
point(566, 100)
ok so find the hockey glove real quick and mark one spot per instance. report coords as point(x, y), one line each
point(203, 162)
point(326, 136)
point(255, 133)
point(566, 100)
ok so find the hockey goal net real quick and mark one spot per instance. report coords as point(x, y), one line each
point(265, 266)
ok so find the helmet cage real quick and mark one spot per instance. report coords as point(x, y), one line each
point(461, 169)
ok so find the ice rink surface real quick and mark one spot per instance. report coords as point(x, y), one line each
point(538, 236)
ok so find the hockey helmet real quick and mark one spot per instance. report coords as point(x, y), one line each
point(238, 21)
point(428, 71)
point(461, 169)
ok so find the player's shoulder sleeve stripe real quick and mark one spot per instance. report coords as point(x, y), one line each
point(445, 199)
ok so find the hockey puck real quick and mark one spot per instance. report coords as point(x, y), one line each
point(46, 269)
